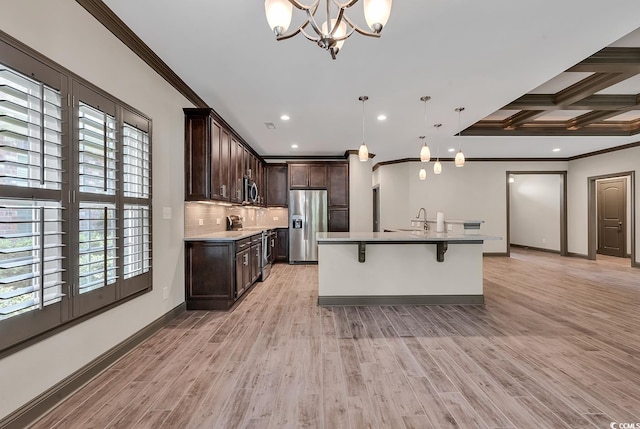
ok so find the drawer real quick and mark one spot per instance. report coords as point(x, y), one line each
point(256, 239)
point(243, 244)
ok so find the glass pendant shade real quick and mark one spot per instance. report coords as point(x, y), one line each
point(376, 13)
point(459, 161)
point(278, 15)
point(425, 154)
point(363, 153)
point(341, 31)
point(422, 174)
point(437, 167)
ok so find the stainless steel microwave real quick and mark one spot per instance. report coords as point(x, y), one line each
point(249, 191)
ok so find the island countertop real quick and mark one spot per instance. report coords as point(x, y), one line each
point(400, 236)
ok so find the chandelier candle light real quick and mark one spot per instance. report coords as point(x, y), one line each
point(459, 160)
point(363, 152)
point(333, 31)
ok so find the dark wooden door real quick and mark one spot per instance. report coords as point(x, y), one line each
point(282, 245)
point(298, 176)
point(338, 220)
point(216, 161)
point(338, 178)
point(225, 158)
point(197, 158)
point(317, 176)
point(277, 192)
point(612, 209)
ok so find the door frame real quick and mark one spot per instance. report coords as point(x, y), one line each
point(563, 207)
point(592, 218)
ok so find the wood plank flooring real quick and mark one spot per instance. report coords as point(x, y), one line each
point(557, 345)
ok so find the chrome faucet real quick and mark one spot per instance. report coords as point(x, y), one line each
point(424, 222)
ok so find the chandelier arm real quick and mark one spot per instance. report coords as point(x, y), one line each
point(311, 38)
point(359, 30)
point(344, 5)
point(338, 21)
point(346, 36)
point(304, 7)
point(300, 28)
point(312, 21)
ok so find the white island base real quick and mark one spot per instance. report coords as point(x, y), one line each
point(392, 268)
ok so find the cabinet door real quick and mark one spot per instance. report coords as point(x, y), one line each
point(239, 170)
point(317, 176)
point(282, 245)
point(247, 272)
point(225, 158)
point(277, 192)
point(246, 163)
point(338, 178)
point(208, 271)
point(197, 157)
point(338, 220)
point(233, 171)
point(216, 161)
point(239, 286)
point(298, 176)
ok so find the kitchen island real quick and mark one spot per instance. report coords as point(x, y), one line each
point(406, 267)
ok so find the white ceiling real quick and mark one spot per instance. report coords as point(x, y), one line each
point(478, 54)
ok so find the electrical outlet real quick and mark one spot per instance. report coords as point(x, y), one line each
point(544, 241)
point(165, 293)
point(449, 227)
point(200, 222)
point(275, 218)
point(217, 221)
point(167, 213)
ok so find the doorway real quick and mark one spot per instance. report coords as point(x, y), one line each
point(376, 209)
point(611, 202)
point(595, 237)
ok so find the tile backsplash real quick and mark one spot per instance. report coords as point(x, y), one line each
point(209, 214)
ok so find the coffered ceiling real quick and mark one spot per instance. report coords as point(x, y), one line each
point(527, 73)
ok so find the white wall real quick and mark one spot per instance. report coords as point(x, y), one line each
point(66, 33)
point(579, 172)
point(360, 195)
point(475, 191)
point(535, 210)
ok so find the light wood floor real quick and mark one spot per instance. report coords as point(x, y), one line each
point(556, 345)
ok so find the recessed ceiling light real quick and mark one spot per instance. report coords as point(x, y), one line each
point(452, 149)
point(285, 117)
point(382, 117)
point(557, 149)
point(294, 146)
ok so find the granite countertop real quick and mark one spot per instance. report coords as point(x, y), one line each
point(232, 235)
point(417, 236)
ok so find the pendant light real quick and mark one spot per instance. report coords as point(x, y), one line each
point(363, 152)
point(437, 167)
point(425, 152)
point(459, 160)
point(422, 175)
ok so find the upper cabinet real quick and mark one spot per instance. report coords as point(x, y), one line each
point(216, 161)
point(338, 186)
point(277, 191)
point(308, 176)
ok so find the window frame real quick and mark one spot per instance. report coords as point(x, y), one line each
point(25, 329)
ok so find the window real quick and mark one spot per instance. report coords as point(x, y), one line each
point(75, 198)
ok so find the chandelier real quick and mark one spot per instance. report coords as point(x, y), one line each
point(334, 31)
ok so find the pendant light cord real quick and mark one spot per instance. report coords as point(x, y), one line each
point(363, 120)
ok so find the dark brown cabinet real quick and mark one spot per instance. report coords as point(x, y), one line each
point(216, 160)
point(217, 274)
point(282, 245)
point(197, 158)
point(338, 219)
point(277, 192)
point(338, 187)
point(308, 176)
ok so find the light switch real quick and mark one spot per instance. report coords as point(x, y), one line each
point(449, 227)
point(218, 221)
point(166, 213)
point(275, 218)
point(200, 222)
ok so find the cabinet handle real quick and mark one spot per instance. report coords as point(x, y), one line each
point(223, 190)
point(272, 243)
point(246, 259)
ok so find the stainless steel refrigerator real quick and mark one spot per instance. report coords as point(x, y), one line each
point(307, 216)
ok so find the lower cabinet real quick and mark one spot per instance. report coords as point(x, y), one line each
point(338, 220)
point(281, 248)
point(217, 274)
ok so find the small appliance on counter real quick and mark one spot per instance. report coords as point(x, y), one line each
point(234, 223)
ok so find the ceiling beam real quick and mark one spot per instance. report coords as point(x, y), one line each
point(589, 86)
point(592, 117)
point(554, 128)
point(521, 118)
point(610, 60)
point(592, 102)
